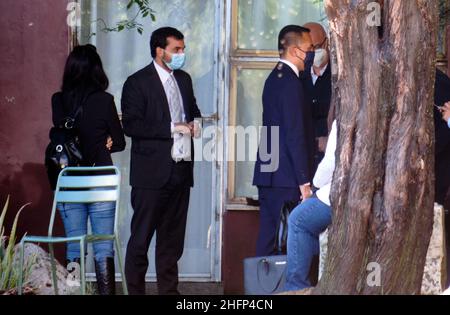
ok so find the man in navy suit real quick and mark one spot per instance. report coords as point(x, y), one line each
point(288, 135)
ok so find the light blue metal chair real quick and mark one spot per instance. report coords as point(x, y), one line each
point(81, 185)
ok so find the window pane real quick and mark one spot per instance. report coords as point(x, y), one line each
point(250, 84)
point(260, 21)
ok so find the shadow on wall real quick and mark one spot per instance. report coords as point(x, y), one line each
point(30, 185)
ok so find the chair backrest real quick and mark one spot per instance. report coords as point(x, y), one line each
point(87, 185)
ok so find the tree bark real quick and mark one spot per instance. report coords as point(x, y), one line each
point(383, 187)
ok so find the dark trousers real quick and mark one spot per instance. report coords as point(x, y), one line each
point(271, 200)
point(164, 211)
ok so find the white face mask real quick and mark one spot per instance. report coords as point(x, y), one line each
point(321, 57)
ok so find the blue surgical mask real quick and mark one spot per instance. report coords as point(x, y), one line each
point(177, 62)
point(309, 59)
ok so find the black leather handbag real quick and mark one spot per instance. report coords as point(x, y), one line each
point(280, 245)
point(64, 148)
point(265, 275)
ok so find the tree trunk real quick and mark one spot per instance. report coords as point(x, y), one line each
point(383, 187)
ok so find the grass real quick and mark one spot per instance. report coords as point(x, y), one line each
point(9, 268)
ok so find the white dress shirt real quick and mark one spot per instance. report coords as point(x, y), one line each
point(324, 174)
point(315, 77)
point(292, 66)
point(181, 143)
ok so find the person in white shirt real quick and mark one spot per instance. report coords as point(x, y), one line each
point(309, 220)
point(446, 113)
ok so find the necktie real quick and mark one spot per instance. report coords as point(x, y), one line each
point(174, 100)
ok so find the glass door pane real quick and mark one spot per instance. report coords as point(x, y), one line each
point(126, 52)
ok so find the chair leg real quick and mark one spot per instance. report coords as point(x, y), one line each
point(83, 272)
point(122, 270)
point(21, 263)
point(53, 266)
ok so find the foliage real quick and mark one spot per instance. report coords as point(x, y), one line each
point(9, 269)
point(144, 11)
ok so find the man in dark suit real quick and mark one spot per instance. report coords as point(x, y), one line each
point(317, 82)
point(285, 108)
point(442, 134)
point(158, 107)
point(442, 150)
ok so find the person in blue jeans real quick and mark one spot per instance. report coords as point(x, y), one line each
point(75, 218)
point(310, 219)
point(100, 133)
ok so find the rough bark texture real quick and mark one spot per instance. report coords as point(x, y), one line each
point(383, 184)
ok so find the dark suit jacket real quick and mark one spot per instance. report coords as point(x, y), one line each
point(96, 122)
point(442, 133)
point(284, 105)
point(146, 119)
point(320, 97)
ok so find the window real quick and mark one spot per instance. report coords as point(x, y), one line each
point(442, 47)
point(254, 53)
point(247, 88)
point(256, 23)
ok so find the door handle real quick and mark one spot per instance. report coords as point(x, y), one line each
point(211, 117)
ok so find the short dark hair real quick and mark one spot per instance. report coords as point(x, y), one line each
point(288, 35)
point(160, 36)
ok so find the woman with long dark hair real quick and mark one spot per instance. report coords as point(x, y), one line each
point(100, 133)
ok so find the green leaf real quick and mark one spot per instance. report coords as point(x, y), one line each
point(120, 28)
point(8, 259)
point(130, 4)
point(2, 216)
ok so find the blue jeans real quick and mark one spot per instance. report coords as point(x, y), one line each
point(306, 223)
point(75, 219)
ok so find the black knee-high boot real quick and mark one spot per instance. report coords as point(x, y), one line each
point(106, 279)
